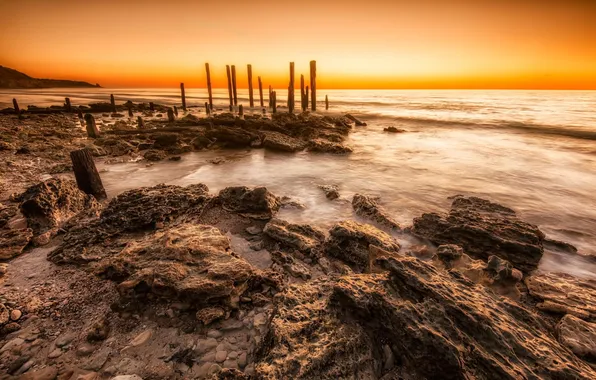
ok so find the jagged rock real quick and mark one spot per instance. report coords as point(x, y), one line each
point(331, 191)
point(209, 314)
point(99, 331)
point(6, 213)
point(562, 293)
point(393, 130)
point(291, 265)
point(154, 155)
point(165, 140)
point(367, 207)
point(135, 210)
point(503, 270)
point(233, 137)
point(201, 142)
point(436, 324)
point(323, 146)
point(257, 203)
point(483, 229)
point(578, 335)
point(48, 204)
point(351, 242)
point(114, 147)
point(190, 263)
point(13, 242)
point(302, 237)
point(279, 141)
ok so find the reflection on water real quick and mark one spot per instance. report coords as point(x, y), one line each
point(494, 144)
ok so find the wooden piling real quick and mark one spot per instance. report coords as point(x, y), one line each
point(240, 110)
point(183, 95)
point(67, 105)
point(16, 107)
point(79, 113)
point(209, 86)
point(171, 117)
point(302, 104)
point(234, 88)
point(140, 123)
point(130, 114)
point(151, 106)
point(326, 102)
point(230, 86)
point(270, 97)
point(313, 85)
point(274, 101)
point(92, 130)
point(250, 98)
point(86, 174)
point(207, 109)
point(113, 103)
point(306, 97)
point(291, 103)
point(175, 111)
point(261, 91)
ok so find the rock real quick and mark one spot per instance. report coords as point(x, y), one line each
point(331, 191)
point(132, 211)
point(64, 339)
point(213, 369)
point(214, 334)
point(220, 356)
point(48, 373)
point(209, 314)
point(127, 377)
point(564, 294)
point(55, 353)
point(13, 242)
point(142, 338)
point(351, 241)
point(449, 253)
point(165, 140)
point(85, 349)
point(291, 265)
point(48, 204)
point(503, 270)
point(4, 314)
point(15, 315)
point(324, 146)
point(206, 345)
point(99, 331)
point(578, 335)
point(393, 130)
point(302, 237)
point(367, 207)
point(188, 263)
point(175, 158)
point(242, 360)
point(484, 229)
point(3, 269)
point(154, 155)
point(253, 230)
point(114, 147)
point(419, 312)
point(230, 364)
point(279, 141)
point(232, 137)
point(257, 203)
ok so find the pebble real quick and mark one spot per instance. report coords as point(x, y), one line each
point(215, 368)
point(230, 364)
point(127, 377)
point(25, 367)
point(214, 334)
point(54, 354)
point(64, 340)
point(11, 344)
point(260, 319)
point(203, 370)
point(242, 360)
point(221, 356)
point(233, 355)
point(250, 369)
point(85, 349)
point(142, 338)
point(205, 345)
point(209, 357)
point(253, 230)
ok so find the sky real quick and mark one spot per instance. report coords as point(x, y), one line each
point(523, 44)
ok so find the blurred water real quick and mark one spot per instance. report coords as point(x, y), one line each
point(534, 151)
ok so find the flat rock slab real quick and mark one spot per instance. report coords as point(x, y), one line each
point(578, 335)
point(302, 237)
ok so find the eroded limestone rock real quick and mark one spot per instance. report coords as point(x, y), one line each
point(258, 203)
point(367, 207)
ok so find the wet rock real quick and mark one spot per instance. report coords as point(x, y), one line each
point(578, 335)
point(291, 265)
point(64, 339)
point(324, 146)
point(154, 155)
point(449, 253)
point(233, 137)
point(165, 140)
point(15, 315)
point(175, 158)
point(351, 242)
point(115, 147)
point(257, 203)
point(503, 270)
point(48, 204)
point(190, 263)
point(332, 328)
point(562, 293)
point(483, 229)
point(13, 242)
point(56, 353)
point(220, 356)
point(331, 191)
point(302, 237)
point(367, 207)
point(210, 314)
point(393, 130)
point(281, 142)
point(201, 142)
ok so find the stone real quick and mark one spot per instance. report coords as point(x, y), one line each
point(367, 207)
point(154, 155)
point(233, 137)
point(242, 360)
point(99, 331)
point(578, 335)
point(291, 265)
point(253, 230)
point(213, 369)
point(4, 314)
point(64, 339)
point(230, 364)
point(206, 345)
point(85, 349)
point(127, 377)
point(165, 140)
point(484, 229)
point(324, 146)
point(214, 334)
point(142, 338)
point(47, 373)
point(352, 243)
point(55, 353)
point(209, 314)
point(280, 142)
point(233, 355)
point(302, 237)
point(3, 269)
point(257, 202)
point(221, 356)
point(393, 130)
point(13, 242)
point(331, 191)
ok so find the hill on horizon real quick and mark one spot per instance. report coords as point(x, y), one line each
point(11, 78)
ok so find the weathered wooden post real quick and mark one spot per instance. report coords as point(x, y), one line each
point(306, 97)
point(16, 107)
point(175, 111)
point(79, 113)
point(183, 95)
point(234, 88)
point(270, 97)
point(274, 101)
point(113, 103)
point(250, 98)
point(291, 103)
point(326, 102)
point(261, 91)
point(129, 106)
point(230, 86)
point(92, 130)
point(86, 173)
point(171, 117)
point(151, 106)
point(302, 104)
point(140, 123)
point(67, 105)
point(240, 110)
point(209, 86)
point(313, 85)
point(207, 109)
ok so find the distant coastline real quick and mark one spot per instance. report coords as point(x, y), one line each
point(13, 79)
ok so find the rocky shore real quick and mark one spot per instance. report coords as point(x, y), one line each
point(171, 282)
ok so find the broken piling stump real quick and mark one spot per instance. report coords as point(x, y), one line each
point(86, 173)
point(171, 116)
point(175, 111)
point(270, 97)
point(261, 91)
point(140, 123)
point(356, 121)
point(302, 104)
point(209, 86)
point(306, 97)
point(230, 86)
point(67, 106)
point(92, 130)
point(16, 107)
point(183, 95)
point(291, 90)
point(207, 109)
point(274, 101)
point(234, 88)
point(313, 85)
point(250, 98)
point(129, 106)
point(113, 103)
point(240, 110)
point(151, 106)
point(326, 102)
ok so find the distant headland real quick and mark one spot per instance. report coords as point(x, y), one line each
point(10, 78)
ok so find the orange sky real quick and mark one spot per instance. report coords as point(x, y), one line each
point(357, 44)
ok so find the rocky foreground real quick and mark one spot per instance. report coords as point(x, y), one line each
point(170, 282)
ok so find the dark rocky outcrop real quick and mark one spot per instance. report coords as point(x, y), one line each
point(413, 322)
point(579, 336)
point(367, 207)
point(233, 137)
point(331, 191)
point(324, 146)
point(393, 130)
point(483, 229)
point(13, 242)
point(258, 203)
point(302, 237)
point(281, 142)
